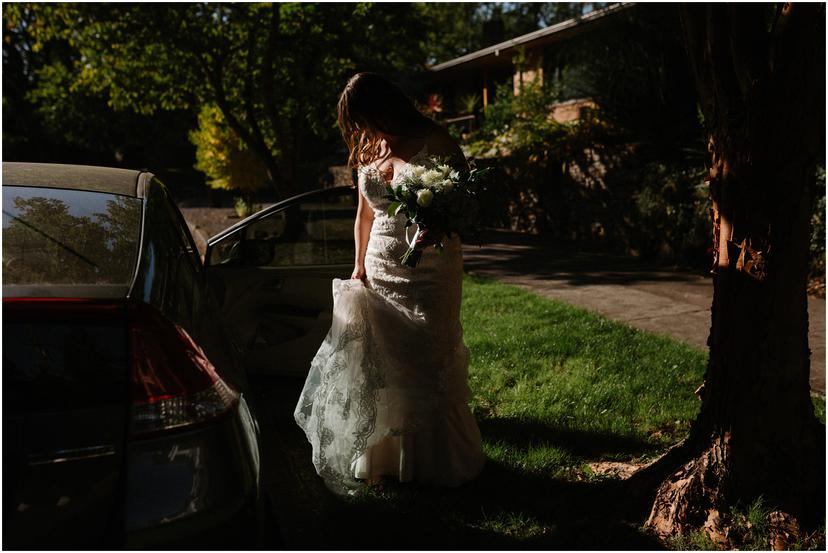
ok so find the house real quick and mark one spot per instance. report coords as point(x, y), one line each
point(454, 84)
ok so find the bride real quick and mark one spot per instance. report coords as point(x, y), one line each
point(387, 392)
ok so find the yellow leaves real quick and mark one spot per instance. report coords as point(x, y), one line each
point(220, 155)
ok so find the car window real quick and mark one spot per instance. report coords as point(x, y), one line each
point(313, 231)
point(69, 237)
point(170, 264)
point(182, 229)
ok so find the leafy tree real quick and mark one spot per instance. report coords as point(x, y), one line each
point(273, 70)
point(74, 125)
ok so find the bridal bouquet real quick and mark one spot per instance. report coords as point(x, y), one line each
point(437, 199)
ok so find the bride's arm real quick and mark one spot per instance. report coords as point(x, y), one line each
point(362, 230)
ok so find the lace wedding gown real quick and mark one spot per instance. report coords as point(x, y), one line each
point(387, 392)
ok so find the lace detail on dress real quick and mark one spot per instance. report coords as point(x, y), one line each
point(338, 406)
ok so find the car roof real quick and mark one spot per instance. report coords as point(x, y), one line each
point(126, 182)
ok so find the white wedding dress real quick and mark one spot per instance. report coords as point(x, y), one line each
point(387, 393)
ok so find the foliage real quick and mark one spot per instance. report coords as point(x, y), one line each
point(259, 64)
point(470, 102)
point(243, 207)
point(817, 245)
point(97, 83)
point(672, 215)
point(605, 177)
point(638, 72)
point(746, 528)
point(72, 125)
point(220, 155)
point(520, 125)
point(697, 540)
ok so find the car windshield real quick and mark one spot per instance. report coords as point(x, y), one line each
point(69, 237)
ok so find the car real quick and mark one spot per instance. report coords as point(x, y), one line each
point(127, 418)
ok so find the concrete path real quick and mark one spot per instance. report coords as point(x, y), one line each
point(655, 299)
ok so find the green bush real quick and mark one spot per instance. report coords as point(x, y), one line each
point(817, 266)
point(584, 180)
point(672, 215)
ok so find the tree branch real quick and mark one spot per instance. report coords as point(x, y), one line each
point(268, 92)
point(694, 29)
point(263, 149)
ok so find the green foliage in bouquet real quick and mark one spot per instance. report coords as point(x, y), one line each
point(438, 199)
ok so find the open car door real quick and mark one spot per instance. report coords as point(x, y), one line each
point(272, 274)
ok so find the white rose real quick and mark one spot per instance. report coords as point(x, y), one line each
point(445, 169)
point(416, 171)
point(432, 177)
point(447, 185)
point(424, 197)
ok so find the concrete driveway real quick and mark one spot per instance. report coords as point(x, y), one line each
point(672, 302)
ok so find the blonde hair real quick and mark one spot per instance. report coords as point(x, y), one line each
point(370, 103)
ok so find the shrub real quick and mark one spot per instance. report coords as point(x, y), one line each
point(817, 266)
point(672, 212)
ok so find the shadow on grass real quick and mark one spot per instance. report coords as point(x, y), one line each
point(502, 508)
point(589, 445)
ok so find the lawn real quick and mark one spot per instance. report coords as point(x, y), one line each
point(566, 400)
point(575, 387)
point(555, 389)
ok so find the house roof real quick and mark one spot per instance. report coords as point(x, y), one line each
point(502, 52)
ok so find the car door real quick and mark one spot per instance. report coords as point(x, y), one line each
point(272, 273)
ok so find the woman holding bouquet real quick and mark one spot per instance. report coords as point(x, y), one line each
point(387, 393)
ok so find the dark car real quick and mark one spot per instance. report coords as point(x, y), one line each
point(125, 415)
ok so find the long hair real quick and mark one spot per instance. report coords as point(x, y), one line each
point(369, 103)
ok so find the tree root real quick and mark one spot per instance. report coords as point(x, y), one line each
point(691, 496)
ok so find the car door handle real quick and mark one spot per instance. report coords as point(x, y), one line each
point(67, 455)
point(273, 284)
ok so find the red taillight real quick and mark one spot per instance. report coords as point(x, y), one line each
point(174, 385)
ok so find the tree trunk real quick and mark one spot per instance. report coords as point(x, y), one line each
point(762, 93)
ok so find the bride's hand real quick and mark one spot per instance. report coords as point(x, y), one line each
point(359, 272)
point(426, 239)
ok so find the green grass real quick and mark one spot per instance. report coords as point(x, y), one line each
point(554, 388)
point(819, 407)
point(571, 384)
point(748, 529)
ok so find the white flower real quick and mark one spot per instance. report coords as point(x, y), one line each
point(424, 197)
point(432, 177)
point(416, 171)
point(447, 185)
point(445, 169)
point(454, 175)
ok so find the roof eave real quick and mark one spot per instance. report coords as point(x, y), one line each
point(506, 48)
